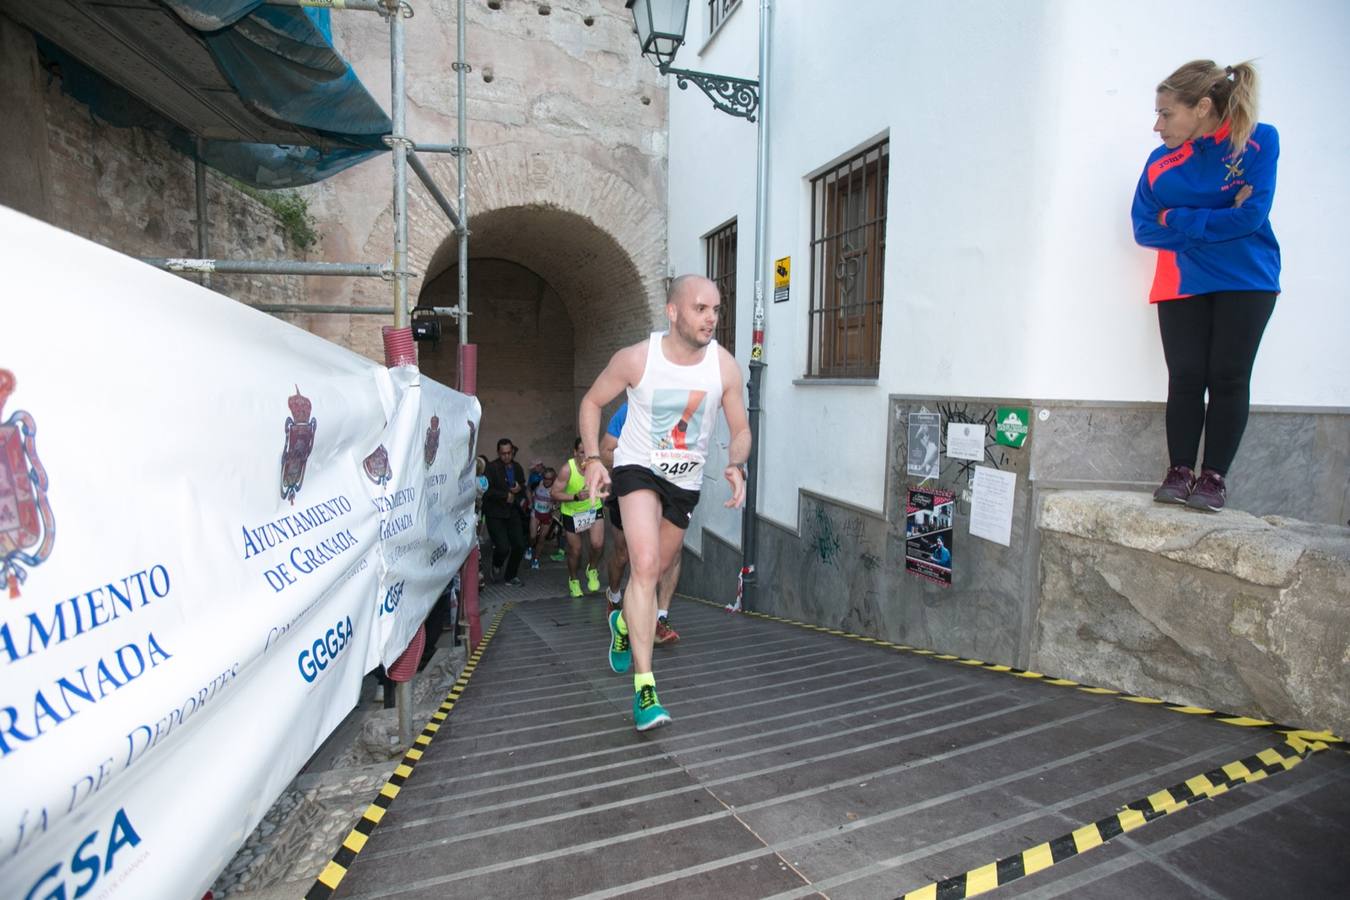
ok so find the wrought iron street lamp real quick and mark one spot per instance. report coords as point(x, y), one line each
point(660, 27)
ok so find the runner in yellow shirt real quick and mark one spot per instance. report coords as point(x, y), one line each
point(581, 514)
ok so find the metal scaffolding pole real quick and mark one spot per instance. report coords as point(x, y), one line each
point(269, 267)
point(322, 309)
point(203, 235)
point(398, 142)
point(358, 5)
point(462, 151)
point(424, 175)
point(468, 353)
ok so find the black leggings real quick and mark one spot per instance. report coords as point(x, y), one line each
point(1210, 343)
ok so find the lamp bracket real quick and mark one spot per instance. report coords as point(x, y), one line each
point(733, 96)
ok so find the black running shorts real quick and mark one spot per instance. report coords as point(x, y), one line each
point(612, 512)
point(677, 503)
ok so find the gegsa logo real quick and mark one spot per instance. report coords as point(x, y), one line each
point(315, 659)
point(392, 598)
point(86, 863)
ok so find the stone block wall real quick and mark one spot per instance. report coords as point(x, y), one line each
point(1229, 612)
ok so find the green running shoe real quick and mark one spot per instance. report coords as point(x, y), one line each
point(592, 580)
point(559, 556)
point(574, 587)
point(620, 657)
point(647, 710)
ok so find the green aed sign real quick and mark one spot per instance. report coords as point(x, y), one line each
point(1010, 426)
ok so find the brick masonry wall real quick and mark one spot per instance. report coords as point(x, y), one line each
point(126, 188)
point(522, 329)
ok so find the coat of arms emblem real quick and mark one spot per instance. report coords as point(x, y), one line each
point(300, 428)
point(433, 440)
point(377, 466)
point(27, 527)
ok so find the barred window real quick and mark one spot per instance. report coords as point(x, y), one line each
point(721, 253)
point(848, 255)
point(718, 10)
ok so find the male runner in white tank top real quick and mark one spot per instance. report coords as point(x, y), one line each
point(675, 381)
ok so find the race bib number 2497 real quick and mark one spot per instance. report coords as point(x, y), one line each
point(678, 464)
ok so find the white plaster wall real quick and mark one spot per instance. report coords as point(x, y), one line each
point(719, 171)
point(1018, 132)
point(1108, 62)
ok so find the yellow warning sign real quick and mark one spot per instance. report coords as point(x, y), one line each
point(782, 278)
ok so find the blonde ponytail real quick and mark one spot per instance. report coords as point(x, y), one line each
point(1231, 89)
point(1240, 109)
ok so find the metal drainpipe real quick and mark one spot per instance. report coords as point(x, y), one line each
point(203, 235)
point(750, 577)
point(468, 353)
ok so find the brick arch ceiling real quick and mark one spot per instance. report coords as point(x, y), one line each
point(597, 280)
point(599, 240)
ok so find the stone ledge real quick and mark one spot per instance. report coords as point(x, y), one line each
point(1225, 611)
point(1262, 551)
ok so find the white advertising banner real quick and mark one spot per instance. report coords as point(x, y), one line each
point(212, 525)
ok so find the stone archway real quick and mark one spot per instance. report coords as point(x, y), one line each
point(567, 264)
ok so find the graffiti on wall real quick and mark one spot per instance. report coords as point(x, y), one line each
point(994, 455)
point(833, 538)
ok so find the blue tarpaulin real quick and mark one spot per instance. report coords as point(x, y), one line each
point(281, 63)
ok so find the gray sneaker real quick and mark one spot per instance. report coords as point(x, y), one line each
point(1177, 486)
point(1210, 493)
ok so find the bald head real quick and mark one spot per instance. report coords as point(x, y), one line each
point(686, 288)
point(692, 305)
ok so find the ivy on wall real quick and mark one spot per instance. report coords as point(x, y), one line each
point(291, 210)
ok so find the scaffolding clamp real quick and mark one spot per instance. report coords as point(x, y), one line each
point(389, 273)
point(387, 8)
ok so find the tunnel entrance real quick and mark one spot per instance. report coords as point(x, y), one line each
point(551, 297)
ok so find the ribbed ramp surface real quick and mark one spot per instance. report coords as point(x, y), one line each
point(803, 764)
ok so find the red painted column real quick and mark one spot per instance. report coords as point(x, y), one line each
point(468, 576)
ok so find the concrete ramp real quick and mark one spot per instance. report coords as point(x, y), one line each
point(808, 763)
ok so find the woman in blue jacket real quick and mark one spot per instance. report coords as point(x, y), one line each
point(1203, 203)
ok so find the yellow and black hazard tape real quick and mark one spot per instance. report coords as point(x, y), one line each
point(1134, 815)
point(1325, 737)
point(337, 867)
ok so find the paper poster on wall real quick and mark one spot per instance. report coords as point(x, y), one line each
point(925, 449)
point(928, 534)
point(991, 504)
point(965, 440)
point(782, 279)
